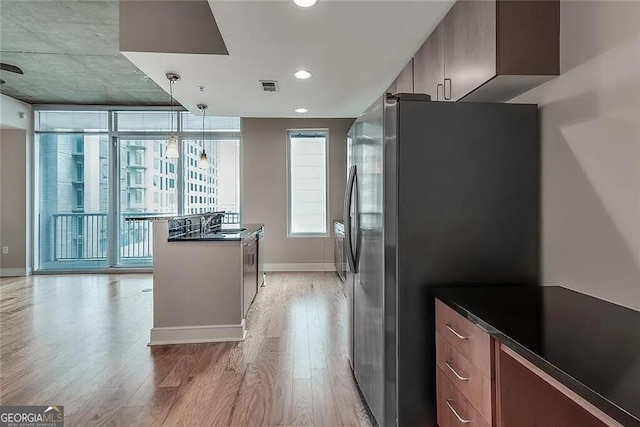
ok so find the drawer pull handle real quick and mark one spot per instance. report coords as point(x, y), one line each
point(462, 420)
point(458, 376)
point(454, 332)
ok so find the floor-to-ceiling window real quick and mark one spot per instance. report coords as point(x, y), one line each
point(97, 169)
point(73, 189)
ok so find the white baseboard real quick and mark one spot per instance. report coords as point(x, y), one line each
point(15, 272)
point(197, 334)
point(300, 266)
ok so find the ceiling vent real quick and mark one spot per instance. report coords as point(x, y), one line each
point(269, 85)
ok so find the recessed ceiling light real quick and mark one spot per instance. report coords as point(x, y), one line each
point(303, 74)
point(305, 3)
point(301, 110)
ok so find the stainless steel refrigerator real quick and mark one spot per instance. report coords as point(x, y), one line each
point(438, 194)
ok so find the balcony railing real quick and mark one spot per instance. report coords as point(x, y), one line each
point(135, 238)
point(84, 236)
point(79, 236)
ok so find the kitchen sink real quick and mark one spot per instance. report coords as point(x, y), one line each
point(232, 230)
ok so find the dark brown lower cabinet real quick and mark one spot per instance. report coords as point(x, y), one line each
point(526, 398)
point(483, 383)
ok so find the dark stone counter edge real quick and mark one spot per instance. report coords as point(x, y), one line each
point(590, 395)
point(251, 229)
point(162, 217)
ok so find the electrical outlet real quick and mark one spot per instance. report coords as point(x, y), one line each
point(5, 250)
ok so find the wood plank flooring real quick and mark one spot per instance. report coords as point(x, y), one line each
point(80, 341)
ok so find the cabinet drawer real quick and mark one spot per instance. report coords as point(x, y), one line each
point(467, 338)
point(453, 409)
point(468, 379)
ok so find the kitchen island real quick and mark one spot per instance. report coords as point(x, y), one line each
point(204, 279)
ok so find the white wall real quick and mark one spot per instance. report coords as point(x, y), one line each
point(590, 130)
point(10, 113)
point(264, 187)
point(15, 186)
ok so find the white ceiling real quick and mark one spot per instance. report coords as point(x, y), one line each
point(353, 48)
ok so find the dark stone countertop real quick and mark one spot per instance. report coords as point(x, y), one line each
point(590, 345)
point(233, 232)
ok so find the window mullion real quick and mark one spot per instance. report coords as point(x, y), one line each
point(113, 210)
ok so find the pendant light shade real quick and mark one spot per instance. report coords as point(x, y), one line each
point(204, 161)
point(172, 146)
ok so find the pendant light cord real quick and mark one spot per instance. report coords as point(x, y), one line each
point(203, 113)
point(171, 103)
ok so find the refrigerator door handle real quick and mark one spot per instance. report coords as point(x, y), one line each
point(348, 200)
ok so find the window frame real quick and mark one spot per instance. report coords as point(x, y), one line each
point(114, 137)
point(327, 186)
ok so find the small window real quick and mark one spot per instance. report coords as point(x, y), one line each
point(79, 198)
point(79, 171)
point(307, 183)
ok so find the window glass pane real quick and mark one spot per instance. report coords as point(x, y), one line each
point(142, 193)
point(73, 178)
point(72, 121)
point(307, 183)
point(140, 121)
point(73, 199)
point(216, 188)
point(192, 122)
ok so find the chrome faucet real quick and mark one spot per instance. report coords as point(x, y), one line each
point(204, 222)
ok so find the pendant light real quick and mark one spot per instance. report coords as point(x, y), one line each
point(204, 162)
point(172, 146)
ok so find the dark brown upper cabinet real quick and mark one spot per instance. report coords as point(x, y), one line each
point(404, 82)
point(490, 50)
point(469, 47)
point(428, 66)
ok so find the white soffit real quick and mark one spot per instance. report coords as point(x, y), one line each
point(353, 48)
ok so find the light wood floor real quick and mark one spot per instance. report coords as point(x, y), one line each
point(80, 341)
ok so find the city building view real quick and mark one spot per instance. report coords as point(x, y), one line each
point(80, 172)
